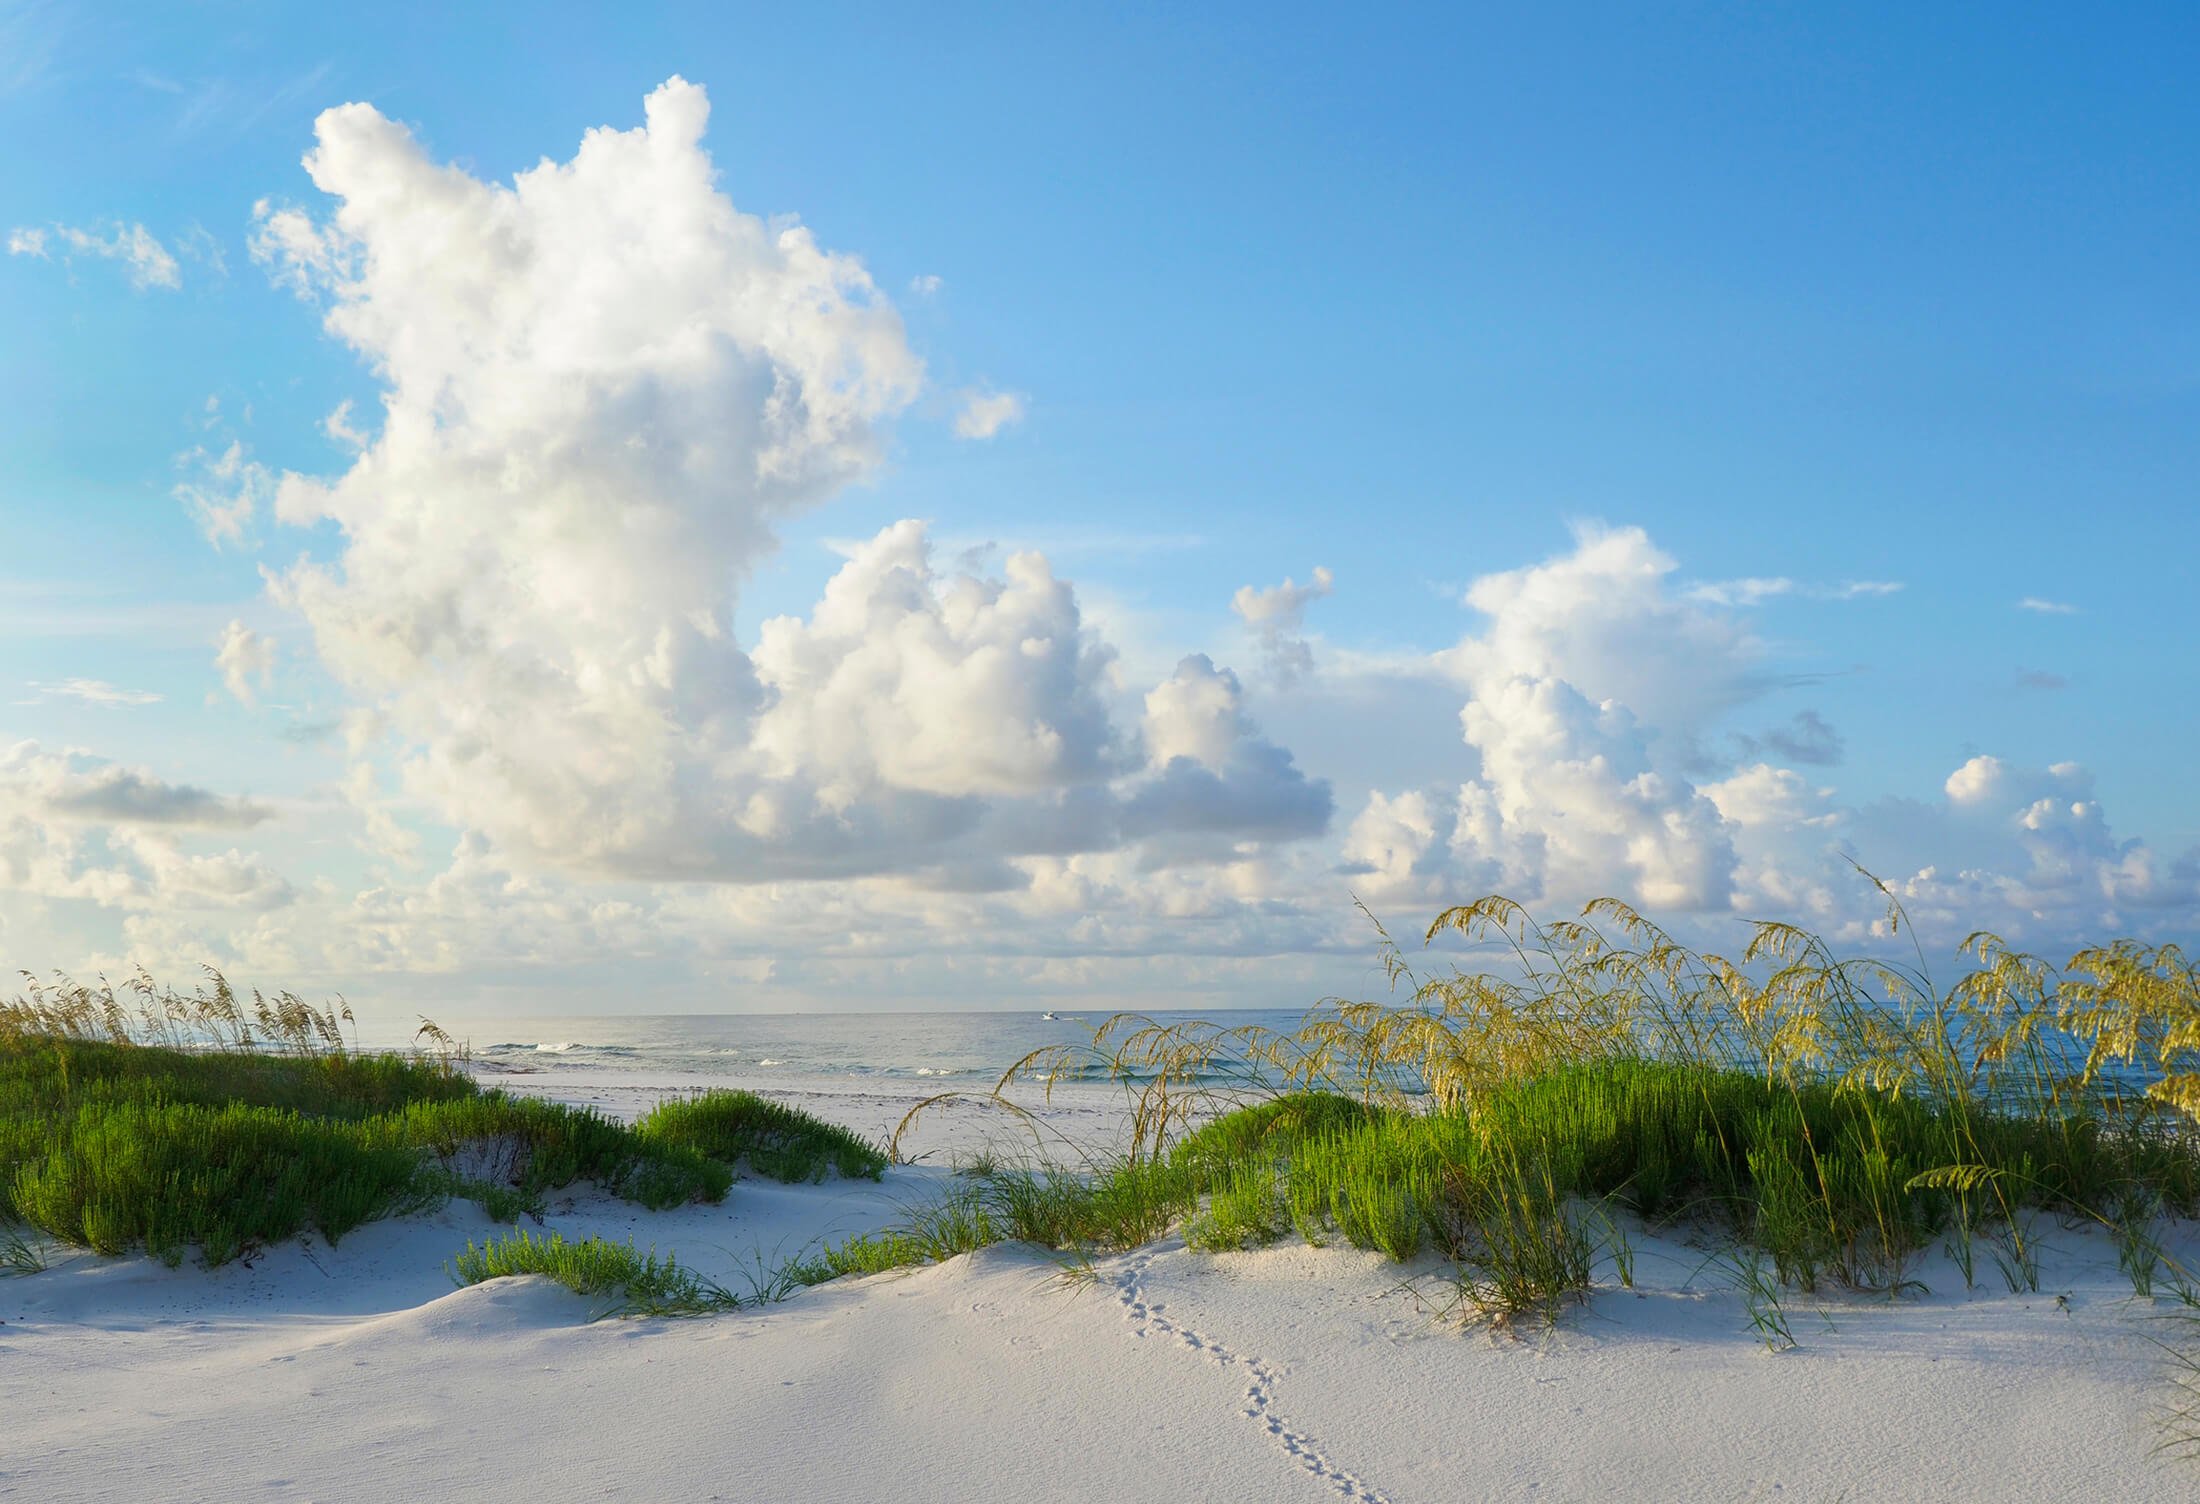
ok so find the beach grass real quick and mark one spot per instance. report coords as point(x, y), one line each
point(19, 1250)
point(182, 1122)
point(739, 1127)
point(1831, 1119)
point(637, 1283)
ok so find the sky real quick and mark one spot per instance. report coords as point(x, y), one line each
point(721, 508)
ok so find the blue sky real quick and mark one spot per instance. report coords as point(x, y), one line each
point(1418, 297)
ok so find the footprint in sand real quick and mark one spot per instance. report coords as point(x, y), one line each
point(1147, 1320)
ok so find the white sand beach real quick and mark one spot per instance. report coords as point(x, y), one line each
point(359, 1373)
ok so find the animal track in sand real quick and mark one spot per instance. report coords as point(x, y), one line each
point(1146, 1319)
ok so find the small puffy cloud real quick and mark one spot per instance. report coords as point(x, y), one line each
point(1976, 782)
point(1990, 784)
point(338, 426)
point(94, 692)
point(1195, 715)
point(2045, 607)
point(1277, 616)
point(224, 491)
point(926, 286)
point(1215, 783)
point(246, 660)
point(1765, 797)
point(984, 414)
point(1604, 619)
point(147, 262)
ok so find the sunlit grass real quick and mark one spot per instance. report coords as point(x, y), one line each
point(739, 1127)
point(207, 1123)
point(636, 1283)
point(1835, 1117)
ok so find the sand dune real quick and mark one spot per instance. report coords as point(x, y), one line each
point(359, 1372)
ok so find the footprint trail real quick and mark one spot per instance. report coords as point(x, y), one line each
point(1147, 1320)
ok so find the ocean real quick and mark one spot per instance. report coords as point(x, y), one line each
point(903, 1050)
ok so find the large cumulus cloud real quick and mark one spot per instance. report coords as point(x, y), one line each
point(1596, 686)
point(1586, 694)
point(603, 386)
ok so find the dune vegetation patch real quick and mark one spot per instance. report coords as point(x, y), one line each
point(633, 1282)
point(1830, 1120)
point(208, 1122)
point(739, 1127)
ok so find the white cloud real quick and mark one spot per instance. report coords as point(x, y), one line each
point(180, 879)
point(1591, 690)
point(1762, 796)
point(94, 692)
point(542, 545)
point(1277, 617)
point(966, 686)
point(1602, 620)
point(115, 795)
point(224, 491)
point(984, 413)
point(927, 285)
point(338, 426)
point(603, 389)
point(246, 659)
point(76, 827)
point(1744, 592)
point(1976, 782)
point(1587, 690)
point(1756, 590)
point(146, 261)
point(2047, 607)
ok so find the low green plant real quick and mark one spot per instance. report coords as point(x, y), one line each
point(740, 1127)
point(19, 1253)
point(638, 1284)
point(1245, 1210)
point(960, 1222)
point(236, 1140)
point(1760, 1289)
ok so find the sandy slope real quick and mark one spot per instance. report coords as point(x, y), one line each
point(359, 1373)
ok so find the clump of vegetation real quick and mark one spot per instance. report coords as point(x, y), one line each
point(19, 1254)
point(639, 1284)
point(180, 1121)
point(1835, 1117)
point(739, 1127)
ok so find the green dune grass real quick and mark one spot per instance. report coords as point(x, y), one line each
point(221, 1136)
point(1830, 1120)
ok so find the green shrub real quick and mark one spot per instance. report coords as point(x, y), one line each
point(734, 1127)
point(641, 1284)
